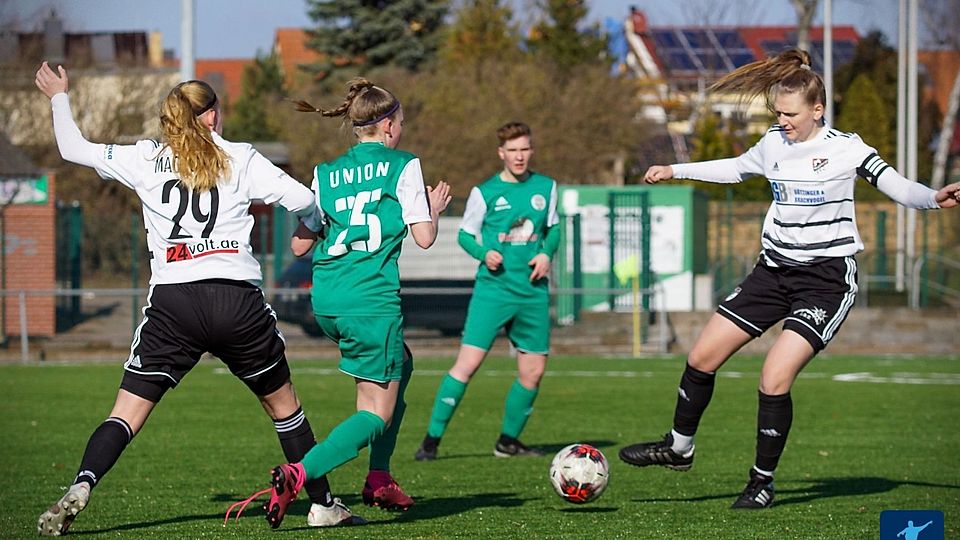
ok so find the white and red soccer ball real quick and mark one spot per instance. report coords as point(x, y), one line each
point(579, 473)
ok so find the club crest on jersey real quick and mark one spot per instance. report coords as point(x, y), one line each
point(538, 202)
point(521, 232)
point(819, 164)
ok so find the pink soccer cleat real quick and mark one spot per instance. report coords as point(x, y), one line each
point(382, 491)
point(285, 483)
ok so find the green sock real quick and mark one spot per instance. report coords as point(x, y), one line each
point(448, 398)
point(381, 448)
point(518, 407)
point(342, 444)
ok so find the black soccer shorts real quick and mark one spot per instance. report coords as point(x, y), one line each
point(229, 319)
point(813, 300)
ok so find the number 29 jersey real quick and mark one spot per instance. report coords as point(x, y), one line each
point(193, 236)
point(368, 197)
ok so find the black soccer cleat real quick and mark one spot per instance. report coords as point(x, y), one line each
point(428, 449)
point(758, 493)
point(657, 453)
point(510, 447)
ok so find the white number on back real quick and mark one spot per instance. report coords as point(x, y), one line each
point(358, 218)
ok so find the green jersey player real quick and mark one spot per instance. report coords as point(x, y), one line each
point(509, 226)
point(368, 197)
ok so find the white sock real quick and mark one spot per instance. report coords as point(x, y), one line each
point(682, 444)
point(761, 471)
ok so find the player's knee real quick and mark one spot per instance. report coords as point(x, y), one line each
point(775, 386)
point(463, 371)
point(531, 377)
point(702, 360)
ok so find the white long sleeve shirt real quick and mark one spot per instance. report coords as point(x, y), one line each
point(191, 236)
point(812, 215)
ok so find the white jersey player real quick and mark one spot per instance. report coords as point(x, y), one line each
point(196, 190)
point(806, 275)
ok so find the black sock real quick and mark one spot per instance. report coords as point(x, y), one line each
point(696, 389)
point(774, 416)
point(103, 450)
point(296, 439)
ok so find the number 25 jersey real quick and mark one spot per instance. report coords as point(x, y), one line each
point(368, 197)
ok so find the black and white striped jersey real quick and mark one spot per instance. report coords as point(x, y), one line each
point(812, 215)
point(191, 236)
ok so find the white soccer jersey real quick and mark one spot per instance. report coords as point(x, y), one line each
point(812, 215)
point(190, 236)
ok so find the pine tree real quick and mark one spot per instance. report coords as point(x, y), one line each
point(357, 35)
point(481, 31)
point(249, 119)
point(559, 36)
point(865, 115)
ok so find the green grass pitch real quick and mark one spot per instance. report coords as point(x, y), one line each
point(869, 434)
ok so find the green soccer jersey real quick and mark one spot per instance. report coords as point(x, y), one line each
point(512, 218)
point(368, 196)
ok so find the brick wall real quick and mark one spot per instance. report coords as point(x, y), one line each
point(31, 264)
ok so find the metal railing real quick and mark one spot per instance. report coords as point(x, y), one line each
point(921, 284)
point(132, 300)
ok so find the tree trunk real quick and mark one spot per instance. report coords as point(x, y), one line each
point(805, 10)
point(946, 135)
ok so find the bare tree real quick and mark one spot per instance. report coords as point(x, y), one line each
point(805, 9)
point(717, 12)
point(942, 18)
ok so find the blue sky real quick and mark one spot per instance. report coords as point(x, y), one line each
point(238, 28)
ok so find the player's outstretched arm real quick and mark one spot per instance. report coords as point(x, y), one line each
point(71, 143)
point(51, 83)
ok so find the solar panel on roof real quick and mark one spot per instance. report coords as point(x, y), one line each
point(666, 39)
point(741, 59)
point(712, 61)
point(678, 60)
point(698, 39)
point(729, 39)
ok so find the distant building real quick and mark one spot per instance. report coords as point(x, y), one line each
point(79, 50)
point(225, 75)
point(290, 46)
point(682, 61)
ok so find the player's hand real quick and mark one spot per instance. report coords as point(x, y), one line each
point(657, 173)
point(439, 197)
point(49, 82)
point(541, 266)
point(302, 240)
point(949, 196)
point(493, 260)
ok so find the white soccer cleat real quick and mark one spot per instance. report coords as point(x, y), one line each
point(57, 519)
point(337, 515)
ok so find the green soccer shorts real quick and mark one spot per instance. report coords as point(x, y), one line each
point(371, 347)
point(527, 324)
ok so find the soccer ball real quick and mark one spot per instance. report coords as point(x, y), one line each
point(579, 473)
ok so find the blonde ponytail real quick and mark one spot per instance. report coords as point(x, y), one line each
point(199, 161)
point(789, 72)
